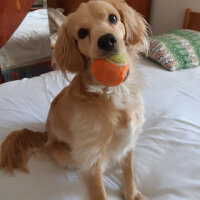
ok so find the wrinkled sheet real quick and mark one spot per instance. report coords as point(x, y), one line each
point(167, 155)
point(30, 42)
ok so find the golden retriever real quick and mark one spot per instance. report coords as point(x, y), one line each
point(91, 126)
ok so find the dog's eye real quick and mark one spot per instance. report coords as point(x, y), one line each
point(112, 19)
point(82, 33)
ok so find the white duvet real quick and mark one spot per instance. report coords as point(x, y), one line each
point(167, 155)
point(30, 42)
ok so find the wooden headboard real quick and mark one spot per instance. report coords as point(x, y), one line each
point(192, 20)
point(142, 6)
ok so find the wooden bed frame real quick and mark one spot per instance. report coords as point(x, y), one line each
point(192, 20)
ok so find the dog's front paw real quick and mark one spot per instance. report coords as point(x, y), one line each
point(136, 196)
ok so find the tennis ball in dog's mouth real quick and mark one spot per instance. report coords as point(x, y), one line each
point(111, 71)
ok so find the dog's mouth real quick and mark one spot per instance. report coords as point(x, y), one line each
point(105, 54)
point(111, 71)
point(127, 74)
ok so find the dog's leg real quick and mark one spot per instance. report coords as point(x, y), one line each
point(130, 190)
point(60, 152)
point(94, 183)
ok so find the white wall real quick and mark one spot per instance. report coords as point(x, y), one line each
point(169, 14)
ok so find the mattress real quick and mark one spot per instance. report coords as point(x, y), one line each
point(167, 155)
point(29, 43)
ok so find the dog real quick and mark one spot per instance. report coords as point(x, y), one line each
point(90, 126)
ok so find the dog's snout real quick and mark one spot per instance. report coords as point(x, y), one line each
point(107, 42)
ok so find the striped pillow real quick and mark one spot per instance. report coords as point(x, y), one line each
point(176, 50)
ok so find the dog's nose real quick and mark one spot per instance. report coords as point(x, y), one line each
point(107, 42)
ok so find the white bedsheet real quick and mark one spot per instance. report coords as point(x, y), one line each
point(167, 155)
point(30, 42)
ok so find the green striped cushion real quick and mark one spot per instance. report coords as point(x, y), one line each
point(176, 50)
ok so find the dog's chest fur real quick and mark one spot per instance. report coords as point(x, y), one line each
point(108, 138)
point(122, 141)
point(124, 134)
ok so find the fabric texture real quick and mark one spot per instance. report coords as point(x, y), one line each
point(27, 71)
point(167, 154)
point(30, 42)
point(176, 50)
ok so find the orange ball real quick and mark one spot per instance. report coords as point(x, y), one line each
point(109, 73)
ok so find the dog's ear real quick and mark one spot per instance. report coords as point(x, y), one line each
point(135, 25)
point(67, 54)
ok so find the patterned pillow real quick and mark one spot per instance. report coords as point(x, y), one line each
point(176, 50)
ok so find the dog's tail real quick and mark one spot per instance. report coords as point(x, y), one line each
point(14, 150)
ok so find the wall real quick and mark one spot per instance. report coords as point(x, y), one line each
point(169, 14)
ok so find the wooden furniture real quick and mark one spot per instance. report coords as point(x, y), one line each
point(68, 5)
point(12, 12)
point(142, 6)
point(192, 20)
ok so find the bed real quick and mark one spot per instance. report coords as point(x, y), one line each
point(166, 157)
point(28, 48)
point(29, 43)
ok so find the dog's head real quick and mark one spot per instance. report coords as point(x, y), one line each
point(96, 29)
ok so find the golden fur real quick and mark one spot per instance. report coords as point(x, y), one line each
point(90, 126)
